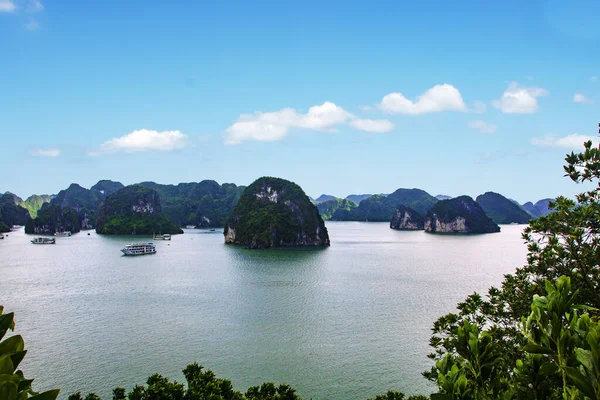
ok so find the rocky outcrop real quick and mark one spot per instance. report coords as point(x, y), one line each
point(134, 210)
point(273, 212)
point(459, 215)
point(53, 218)
point(407, 219)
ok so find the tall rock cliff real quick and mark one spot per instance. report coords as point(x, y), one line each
point(459, 215)
point(407, 219)
point(134, 210)
point(273, 212)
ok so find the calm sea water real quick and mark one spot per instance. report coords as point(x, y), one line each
point(347, 322)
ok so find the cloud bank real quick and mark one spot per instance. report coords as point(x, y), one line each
point(144, 140)
point(272, 126)
point(439, 98)
point(519, 100)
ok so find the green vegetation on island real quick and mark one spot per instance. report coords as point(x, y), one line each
point(54, 218)
point(380, 208)
point(329, 207)
point(134, 210)
point(33, 203)
point(11, 213)
point(324, 197)
point(502, 210)
point(203, 204)
point(357, 198)
point(459, 215)
point(274, 212)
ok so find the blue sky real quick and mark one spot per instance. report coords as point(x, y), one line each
point(340, 97)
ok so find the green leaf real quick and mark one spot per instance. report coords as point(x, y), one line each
point(8, 391)
point(6, 323)
point(548, 369)
point(6, 365)
point(536, 349)
point(17, 358)
point(581, 382)
point(49, 395)
point(12, 345)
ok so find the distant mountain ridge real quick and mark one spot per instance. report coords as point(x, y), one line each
point(502, 210)
point(379, 208)
point(324, 197)
point(329, 207)
point(539, 209)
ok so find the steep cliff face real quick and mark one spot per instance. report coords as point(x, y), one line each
point(11, 213)
point(134, 210)
point(273, 212)
point(405, 218)
point(459, 215)
point(52, 218)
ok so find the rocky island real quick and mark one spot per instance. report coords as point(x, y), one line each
point(134, 210)
point(407, 219)
point(459, 215)
point(274, 212)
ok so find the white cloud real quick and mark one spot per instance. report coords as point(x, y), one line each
point(572, 142)
point(593, 78)
point(272, 126)
point(519, 100)
point(580, 98)
point(479, 107)
point(439, 98)
point(372, 125)
point(144, 140)
point(45, 153)
point(482, 126)
point(7, 6)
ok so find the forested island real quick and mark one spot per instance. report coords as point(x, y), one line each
point(273, 212)
point(134, 210)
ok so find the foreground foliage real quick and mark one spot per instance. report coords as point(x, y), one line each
point(553, 352)
point(13, 384)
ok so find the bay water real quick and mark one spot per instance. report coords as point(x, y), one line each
point(347, 322)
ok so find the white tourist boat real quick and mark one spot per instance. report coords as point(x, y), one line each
point(139, 249)
point(1, 236)
point(190, 227)
point(62, 234)
point(43, 240)
point(166, 236)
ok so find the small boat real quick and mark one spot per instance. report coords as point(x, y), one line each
point(139, 249)
point(212, 230)
point(1, 236)
point(43, 240)
point(514, 223)
point(88, 234)
point(62, 234)
point(166, 236)
point(190, 227)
